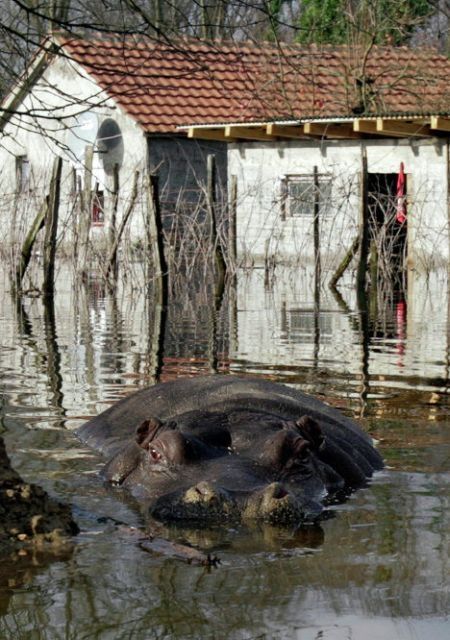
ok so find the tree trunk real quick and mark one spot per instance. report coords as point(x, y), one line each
point(51, 229)
point(343, 265)
point(27, 247)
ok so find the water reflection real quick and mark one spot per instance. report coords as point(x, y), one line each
point(20, 568)
point(406, 344)
point(381, 565)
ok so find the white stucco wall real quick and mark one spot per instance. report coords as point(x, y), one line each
point(64, 91)
point(259, 167)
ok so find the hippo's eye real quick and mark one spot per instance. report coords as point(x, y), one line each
point(154, 455)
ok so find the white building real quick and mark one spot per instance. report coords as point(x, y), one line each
point(304, 117)
point(394, 110)
point(105, 103)
point(275, 214)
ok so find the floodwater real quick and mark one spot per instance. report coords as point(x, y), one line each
point(378, 569)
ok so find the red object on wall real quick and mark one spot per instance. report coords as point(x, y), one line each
point(400, 214)
point(400, 317)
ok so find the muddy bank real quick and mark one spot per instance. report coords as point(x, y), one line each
point(27, 512)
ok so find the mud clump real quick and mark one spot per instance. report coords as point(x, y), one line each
point(27, 513)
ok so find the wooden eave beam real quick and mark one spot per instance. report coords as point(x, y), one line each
point(402, 128)
point(246, 133)
point(387, 127)
point(439, 123)
point(285, 131)
point(330, 130)
point(201, 133)
point(365, 126)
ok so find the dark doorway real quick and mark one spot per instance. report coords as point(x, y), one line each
point(388, 230)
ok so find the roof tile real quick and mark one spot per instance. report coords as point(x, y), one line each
point(163, 85)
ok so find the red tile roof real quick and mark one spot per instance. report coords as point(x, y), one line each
point(166, 84)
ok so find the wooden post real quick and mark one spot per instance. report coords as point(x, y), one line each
point(215, 311)
point(113, 221)
point(82, 309)
point(317, 266)
point(363, 311)
point(232, 236)
point(51, 229)
point(86, 209)
point(156, 241)
point(158, 305)
point(283, 199)
point(53, 363)
point(317, 271)
point(157, 319)
point(27, 247)
point(24, 324)
point(112, 258)
point(211, 201)
point(364, 229)
point(116, 334)
point(364, 340)
point(373, 279)
point(447, 359)
point(448, 221)
point(75, 213)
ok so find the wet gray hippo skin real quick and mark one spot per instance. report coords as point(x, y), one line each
point(220, 448)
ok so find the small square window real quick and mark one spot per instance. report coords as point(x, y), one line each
point(301, 194)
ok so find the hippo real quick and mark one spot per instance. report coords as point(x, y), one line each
point(226, 448)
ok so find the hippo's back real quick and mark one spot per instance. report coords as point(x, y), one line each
point(111, 429)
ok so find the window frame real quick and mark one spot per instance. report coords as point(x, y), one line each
point(292, 179)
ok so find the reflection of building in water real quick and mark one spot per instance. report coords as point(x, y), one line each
point(108, 343)
point(280, 326)
point(300, 325)
point(104, 343)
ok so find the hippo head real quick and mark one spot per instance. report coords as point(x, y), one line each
point(230, 447)
point(196, 476)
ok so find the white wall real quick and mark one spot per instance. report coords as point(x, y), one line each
point(259, 166)
point(63, 92)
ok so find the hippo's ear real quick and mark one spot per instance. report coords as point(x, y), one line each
point(311, 431)
point(285, 450)
point(147, 431)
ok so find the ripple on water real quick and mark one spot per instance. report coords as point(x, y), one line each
point(377, 569)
